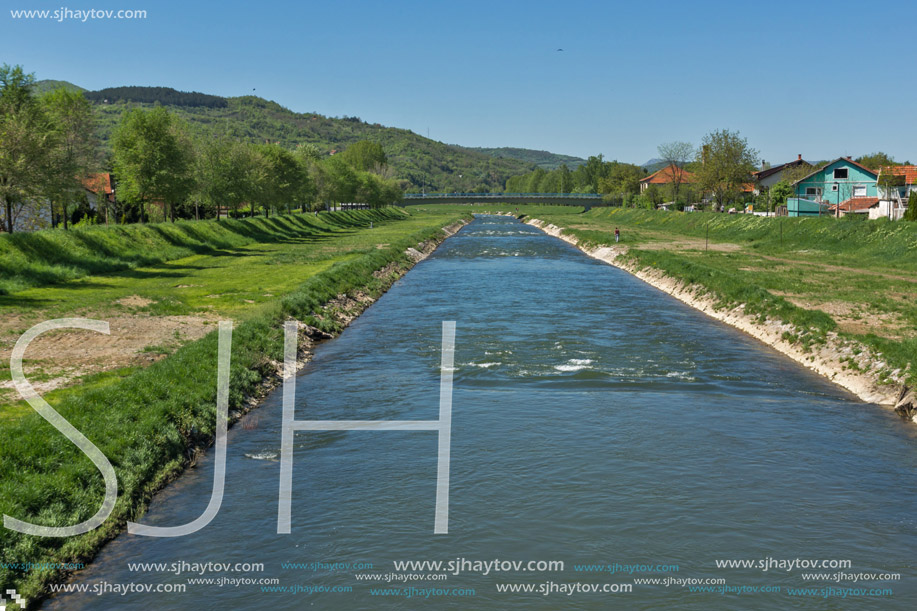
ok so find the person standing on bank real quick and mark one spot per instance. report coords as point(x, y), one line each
point(617, 234)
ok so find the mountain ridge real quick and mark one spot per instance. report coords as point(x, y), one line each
point(422, 163)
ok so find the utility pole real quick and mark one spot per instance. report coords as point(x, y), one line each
point(837, 207)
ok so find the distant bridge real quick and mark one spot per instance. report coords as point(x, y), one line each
point(563, 199)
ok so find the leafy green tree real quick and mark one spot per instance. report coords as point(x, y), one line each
point(588, 175)
point(876, 161)
point(151, 158)
point(727, 162)
point(779, 193)
point(340, 183)
point(365, 155)
point(284, 178)
point(565, 179)
point(621, 181)
point(70, 158)
point(224, 171)
point(25, 139)
point(653, 195)
point(535, 181)
point(911, 213)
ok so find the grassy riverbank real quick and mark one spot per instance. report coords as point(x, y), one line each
point(162, 285)
point(148, 420)
point(854, 278)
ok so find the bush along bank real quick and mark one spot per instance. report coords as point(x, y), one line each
point(151, 424)
point(807, 336)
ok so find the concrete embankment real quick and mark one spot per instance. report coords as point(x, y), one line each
point(829, 359)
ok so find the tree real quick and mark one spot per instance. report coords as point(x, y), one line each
point(911, 213)
point(223, 174)
point(726, 164)
point(780, 192)
point(676, 155)
point(71, 119)
point(341, 181)
point(623, 179)
point(877, 160)
point(25, 137)
point(285, 176)
point(365, 155)
point(565, 179)
point(151, 158)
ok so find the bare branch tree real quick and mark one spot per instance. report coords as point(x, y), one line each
point(676, 155)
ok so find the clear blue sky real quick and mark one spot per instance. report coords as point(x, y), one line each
point(819, 78)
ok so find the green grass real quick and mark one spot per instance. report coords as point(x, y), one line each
point(222, 278)
point(222, 281)
point(145, 420)
point(54, 256)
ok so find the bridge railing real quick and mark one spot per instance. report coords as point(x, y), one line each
point(501, 195)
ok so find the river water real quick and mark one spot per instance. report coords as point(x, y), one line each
point(596, 421)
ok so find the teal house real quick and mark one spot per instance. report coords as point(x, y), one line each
point(838, 182)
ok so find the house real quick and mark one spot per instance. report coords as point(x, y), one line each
point(856, 205)
point(895, 184)
point(96, 184)
point(666, 176)
point(765, 178)
point(841, 180)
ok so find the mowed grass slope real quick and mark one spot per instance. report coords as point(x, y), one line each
point(146, 420)
point(164, 304)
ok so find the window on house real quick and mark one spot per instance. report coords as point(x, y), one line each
point(859, 191)
point(840, 174)
point(811, 191)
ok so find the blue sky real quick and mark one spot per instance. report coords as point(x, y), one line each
point(819, 78)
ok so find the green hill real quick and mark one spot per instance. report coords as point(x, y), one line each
point(542, 159)
point(422, 162)
point(49, 85)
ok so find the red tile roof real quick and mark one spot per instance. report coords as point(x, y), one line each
point(94, 182)
point(856, 204)
point(908, 171)
point(665, 176)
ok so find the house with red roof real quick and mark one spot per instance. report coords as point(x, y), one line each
point(895, 184)
point(97, 185)
point(667, 176)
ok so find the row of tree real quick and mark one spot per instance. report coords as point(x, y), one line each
point(156, 162)
point(49, 151)
point(718, 170)
point(594, 176)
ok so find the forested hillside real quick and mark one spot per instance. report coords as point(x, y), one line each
point(424, 163)
point(542, 159)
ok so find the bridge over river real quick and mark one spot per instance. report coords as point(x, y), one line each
point(564, 199)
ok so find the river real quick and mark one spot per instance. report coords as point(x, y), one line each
point(596, 421)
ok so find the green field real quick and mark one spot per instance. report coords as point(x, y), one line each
point(147, 417)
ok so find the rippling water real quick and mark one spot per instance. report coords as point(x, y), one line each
point(596, 421)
